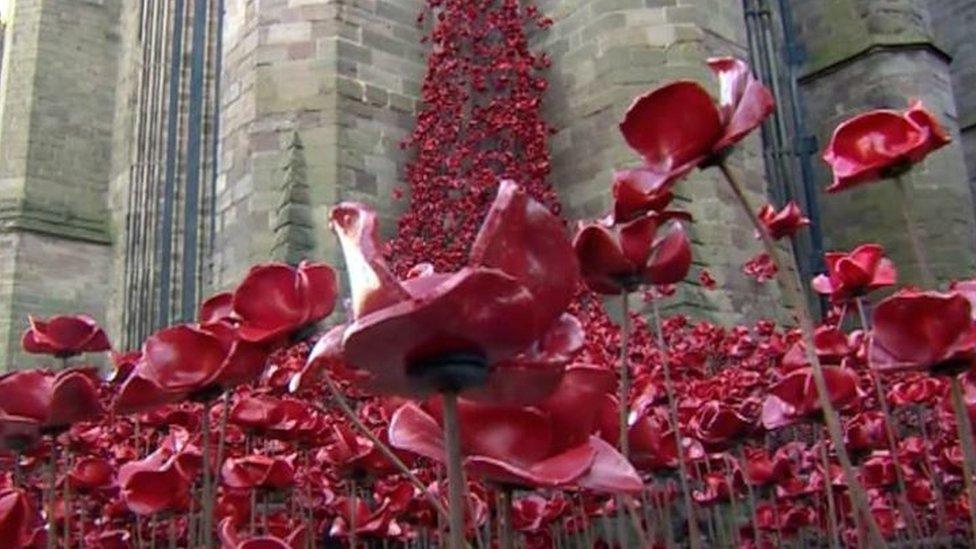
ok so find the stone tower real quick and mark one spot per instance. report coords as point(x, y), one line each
point(57, 95)
point(148, 153)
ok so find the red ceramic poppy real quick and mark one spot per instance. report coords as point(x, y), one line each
point(355, 456)
point(783, 223)
point(376, 523)
point(637, 192)
point(705, 130)
point(866, 431)
point(923, 331)
point(881, 143)
point(17, 517)
point(91, 473)
point(831, 345)
point(34, 401)
point(795, 398)
point(718, 425)
point(412, 336)
point(856, 273)
point(155, 484)
point(257, 471)
point(65, 336)
point(621, 258)
point(189, 361)
point(217, 308)
point(918, 389)
point(230, 538)
point(124, 364)
point(549, 445)
point(276, 300)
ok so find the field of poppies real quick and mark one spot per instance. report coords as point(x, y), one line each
point(472, 391)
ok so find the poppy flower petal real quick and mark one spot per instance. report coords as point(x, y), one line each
point(372, 285)
point(610, 471)
point(671, 260)
point(670, 144)
point(602, 261)
point(414, 430)
point(523, 239)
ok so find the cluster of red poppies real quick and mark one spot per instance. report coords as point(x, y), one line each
point(477, 392)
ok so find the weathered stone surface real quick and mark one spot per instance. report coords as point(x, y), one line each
point(902, 62)
point(56, 111)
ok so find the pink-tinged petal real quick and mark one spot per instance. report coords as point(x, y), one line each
point(610, 471)
point(326, 355)
point(523, 239)
point(937, 136)
point(216, 308)
point(671, 260)
point(414, 430)
point(885, 274)
point(967, 289)
point(821, 284)
point(637, 238)
point(27, 394)
point(484, 313)
point(864, 146)
point(673, 127)
point(372, 285)
point(74, 398)
point(181, 358)
point(744, 101)
point(602, 261)
point(558, 470)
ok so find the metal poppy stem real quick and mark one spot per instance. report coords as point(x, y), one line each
point(796, 301)
point(969, 454)
point(207, 518)
point(343, 404)
point(693, 533)
point(913, 235)
point(624, 395)
point(455, 473)
point(353, 511)
point(52, 478)
point(505, 518)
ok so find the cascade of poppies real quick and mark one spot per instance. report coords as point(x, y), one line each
point(480, 122)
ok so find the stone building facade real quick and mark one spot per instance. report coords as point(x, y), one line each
point(152, 150)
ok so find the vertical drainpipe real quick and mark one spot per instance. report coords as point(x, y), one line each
point(191, 204)
point(169, 183)
point(804, 145)
point(218, 67)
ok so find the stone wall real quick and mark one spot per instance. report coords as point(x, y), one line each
point(607, 52)
point(56, 111)
point(345, 76)
point(864, 55)
point(953, 22)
